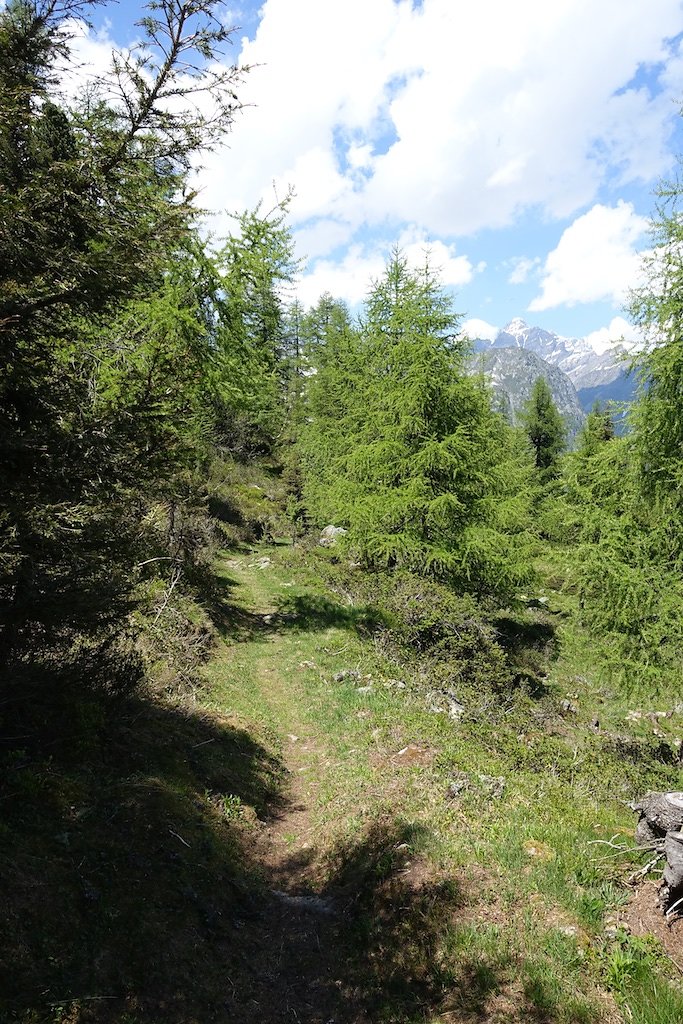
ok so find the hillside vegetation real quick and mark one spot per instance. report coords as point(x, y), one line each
point(249, 776)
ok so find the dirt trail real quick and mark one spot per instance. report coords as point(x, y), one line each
point(294, 950)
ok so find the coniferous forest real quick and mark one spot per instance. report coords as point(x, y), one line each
point(485, 654)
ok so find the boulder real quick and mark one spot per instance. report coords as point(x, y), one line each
point(329, 535)
point(661, 827)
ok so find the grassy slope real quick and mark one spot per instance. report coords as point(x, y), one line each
point(286, 849)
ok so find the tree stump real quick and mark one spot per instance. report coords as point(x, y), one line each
point(661, 822)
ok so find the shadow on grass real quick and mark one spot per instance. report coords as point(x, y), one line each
point(136, 889)
point(304, 612)
point(516, 635)
point(384, 940)
point(125, 864)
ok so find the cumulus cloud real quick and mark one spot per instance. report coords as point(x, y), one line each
point(451, 269)
point(619, 332)
point(349, 279)
point(595, 259)
point(522, 267)
point(474, 328)
point(454, 116)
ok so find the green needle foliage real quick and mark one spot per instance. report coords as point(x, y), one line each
point(112, 342)
point(402, 448)
point(545, 429)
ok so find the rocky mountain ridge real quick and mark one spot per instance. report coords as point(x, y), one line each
point(595, 375)
point(512, 373)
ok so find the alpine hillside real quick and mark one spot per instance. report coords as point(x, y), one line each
point(512, 372)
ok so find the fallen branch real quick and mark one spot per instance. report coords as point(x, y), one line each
point(641, 872)
point(176, 577)
point(673, 906)
point(634, 849)
point(607, 842)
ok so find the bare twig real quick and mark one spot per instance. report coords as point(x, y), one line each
point(176, 577)
point(177, 836)
point(641, 872)
point(607, 842)
point(673, 906)
point(634, 849)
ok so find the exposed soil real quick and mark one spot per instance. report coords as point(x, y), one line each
point(643, 916)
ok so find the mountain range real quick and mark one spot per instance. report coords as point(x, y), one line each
point(512, 372)
point(596, 375)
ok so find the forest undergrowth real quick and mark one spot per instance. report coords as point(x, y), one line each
point(345, 821)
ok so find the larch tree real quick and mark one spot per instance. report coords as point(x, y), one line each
point(545, 429)
point(415, 447)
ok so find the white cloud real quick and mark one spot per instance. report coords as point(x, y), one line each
point(321, 237)
point(474, 328)
point(352, 277)
point(90, 59)
point(349, 279)
point(619, 332)
point(453, 116)
point(451, 270)
point(595, 259)
point(522, 267)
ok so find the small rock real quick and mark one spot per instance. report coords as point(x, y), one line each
point(569, 708)
point(364, 689)
point(346, 673)
point(458, 785)
point(455, 710)
point(495, 785)
point(308, 664)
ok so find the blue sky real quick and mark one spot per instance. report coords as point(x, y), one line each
point(521, 142)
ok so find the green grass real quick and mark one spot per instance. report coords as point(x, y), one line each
point(487, 905)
